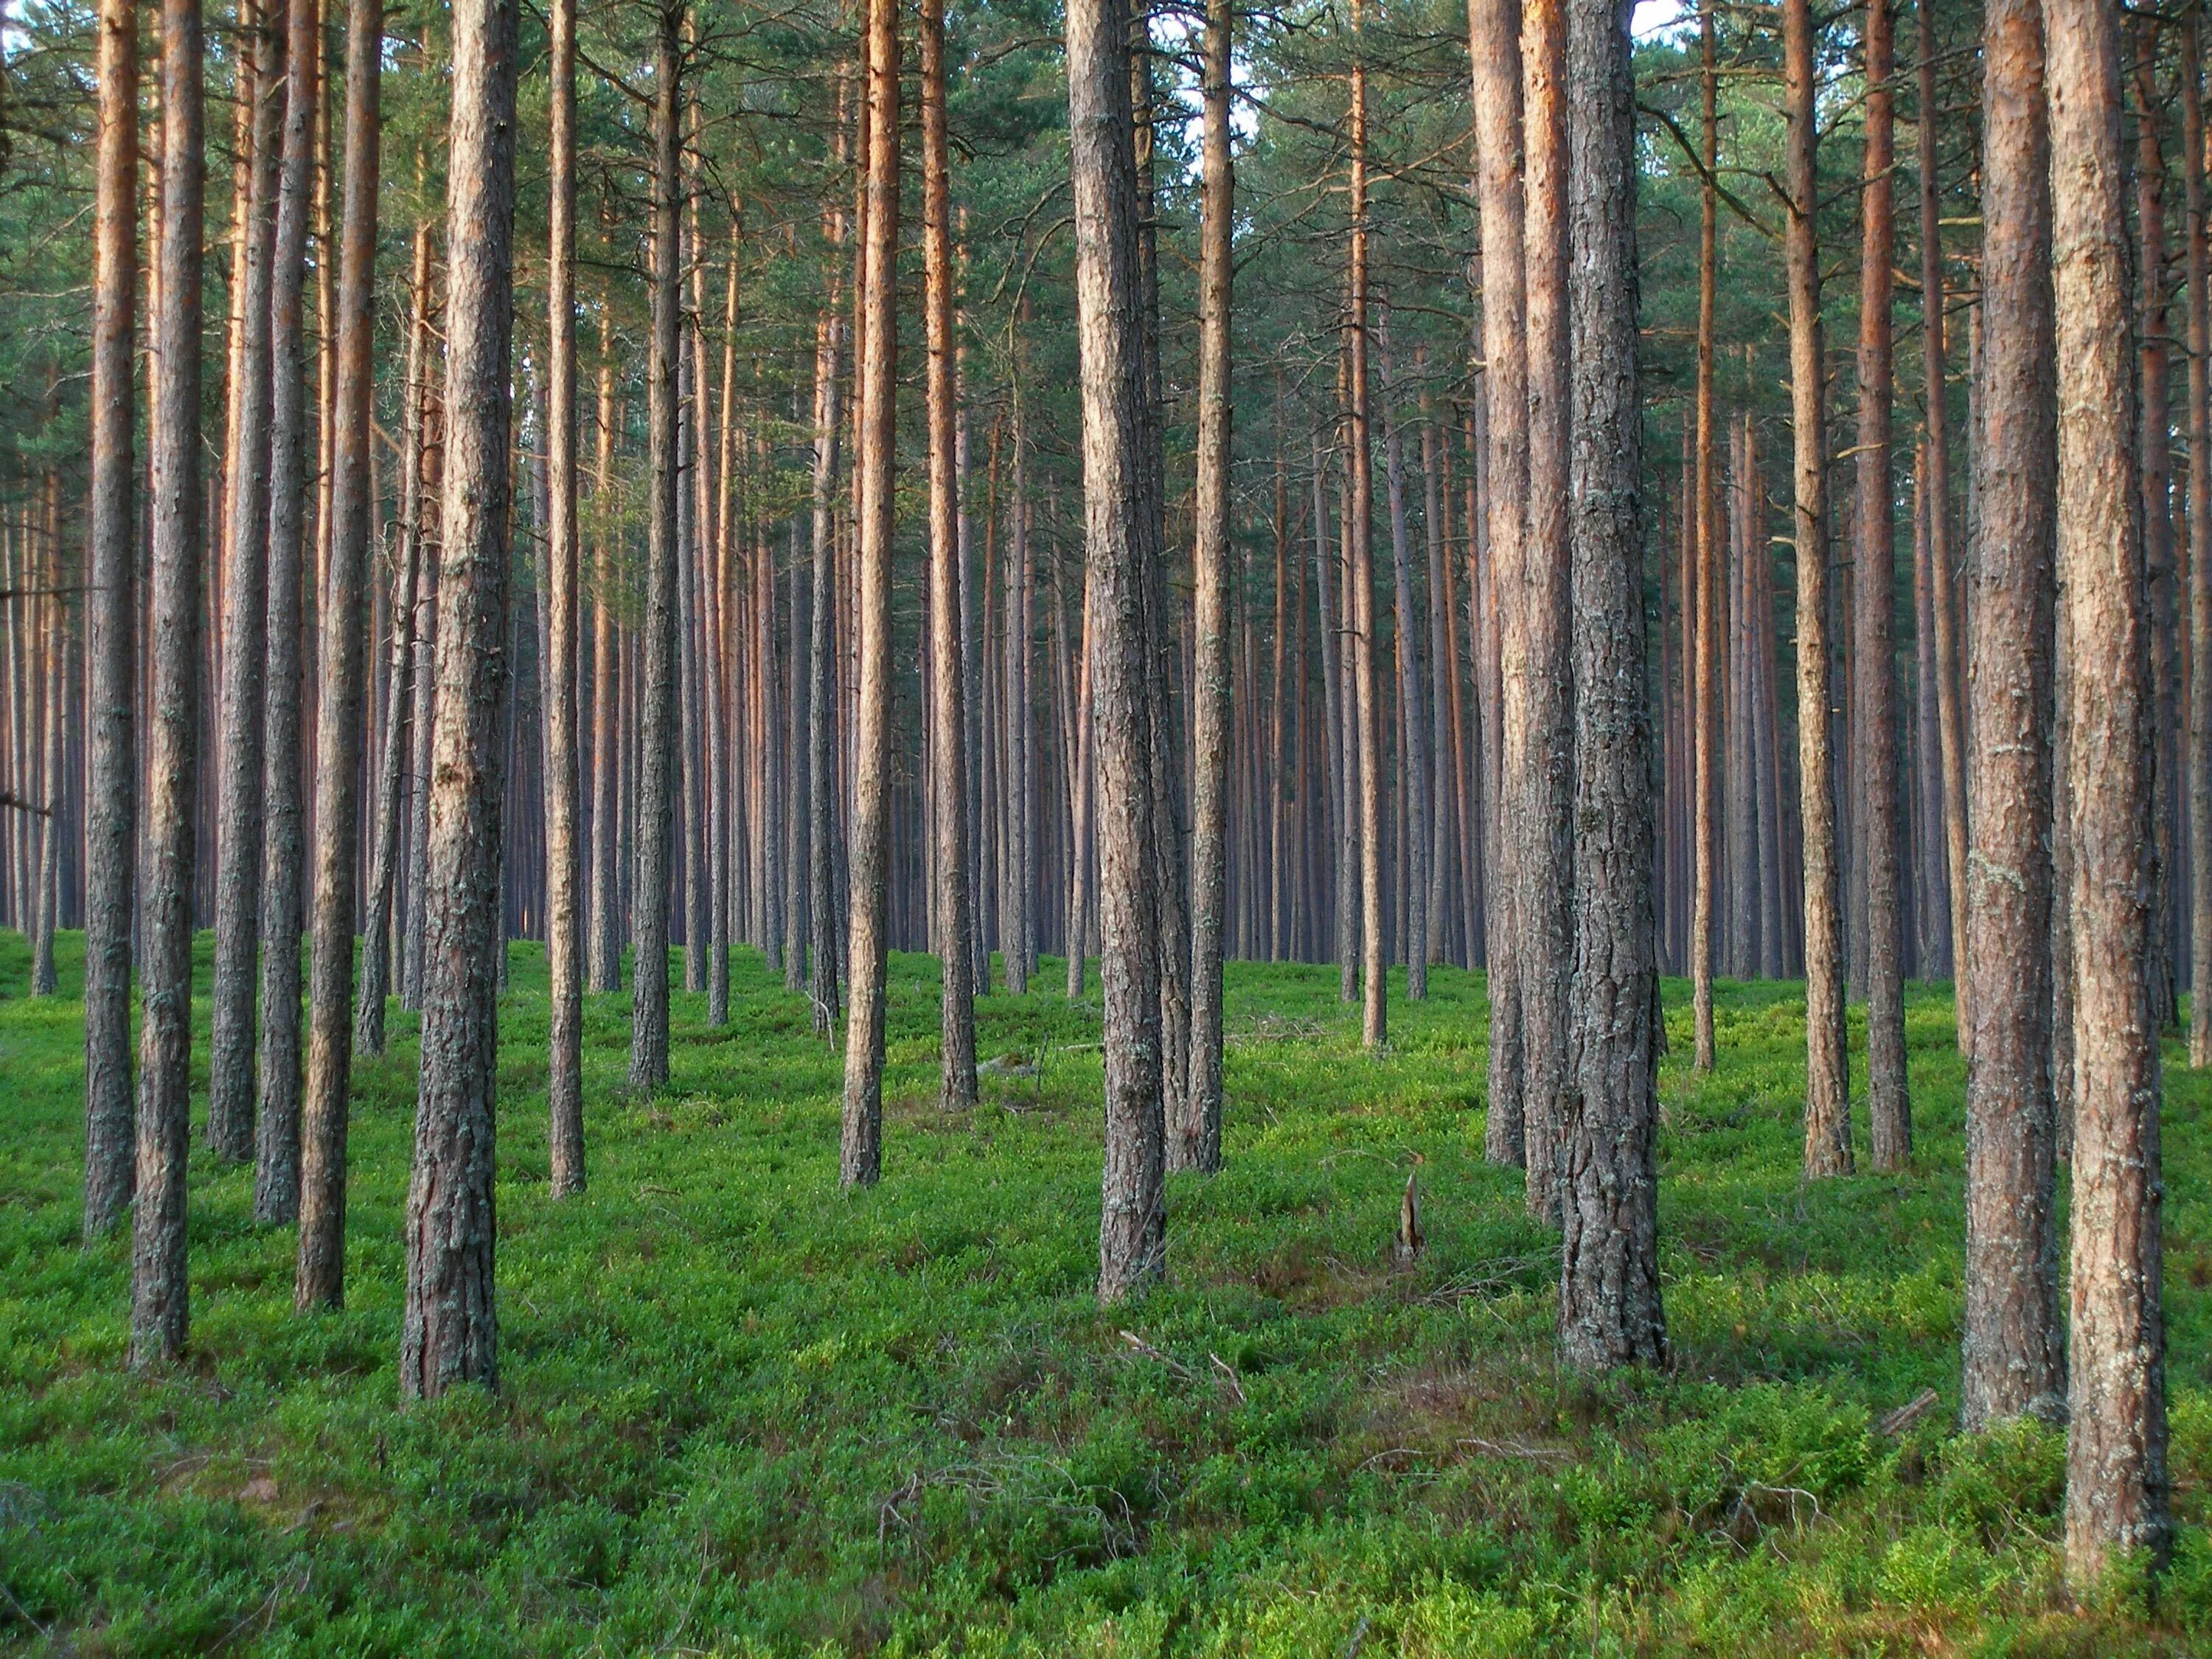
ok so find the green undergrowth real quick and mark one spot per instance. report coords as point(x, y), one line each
point(743, 1413)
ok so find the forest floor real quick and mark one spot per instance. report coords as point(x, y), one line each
point(743, 1413)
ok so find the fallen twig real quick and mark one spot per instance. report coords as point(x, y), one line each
point(1893, 1424)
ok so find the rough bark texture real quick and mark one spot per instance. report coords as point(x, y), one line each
point(283, 850)
point(948, 708)
point(2012, 1352)
point(557, 685)
point(2118, 1496)
point(1119, 530)
point(1197, 1144)
point(451, 1332)
point(1827, 1099)
point(1950, 717)
point(319, 1275)
point(860, 1160)
point(111, 779)
point(159, 1309)
point(1609, 1306)
point(820, 722)
point(245, 658)
point(2198, 771)
point(1493, 33)
point(1705, 741)
point(659, 733)
point(1873, 593)
point(1539, 785)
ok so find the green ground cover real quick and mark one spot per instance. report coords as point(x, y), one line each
point(745, 1413)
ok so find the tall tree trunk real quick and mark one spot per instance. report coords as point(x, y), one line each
point(1609, 1304)
point(384, 870)
point(2011, 1346)
point(605, 963)
point(319, 1276)
point(1540, 783)
point(1413, 752)
point(1944, 599)
point(2117, 1484)
point(1367, 713)
point(1889, 1110)
point(159, 1289)
point(277, 1153)
point(451, 1332)
point(1828, 1098)
point(657, 733)
point(111, 779)
point(1196, 1143)
point(860, 1160)
point(2198, 771)
point(1707, 739)
point(821, 724)
point(424, 680)
point(1493, 34)
point(2153, 431)
point(245, 660)
point(557, 685)
point(1120, 527)
point(949, 735)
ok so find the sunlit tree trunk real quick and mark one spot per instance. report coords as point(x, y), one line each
point(1827, 1099)
point(860, 1159)
point(2117, 1488)
point(821, 667)
point(2011, 1346)
point(1366, 709)
point(450, 1334)
point(1706, 737)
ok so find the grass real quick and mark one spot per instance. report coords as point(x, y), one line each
point(745, 1413)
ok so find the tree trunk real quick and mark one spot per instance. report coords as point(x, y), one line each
point(2153, 431)
point(1539, 781)
point(159, 1289)
point(1493, 35)
point(1366, 712)
point(821, 725)
point(1413, 752)
point(384, 871)
point(2199, 768)
point(245, 661)
point(111, 779)
point(949, 735)
point(604, 966)
point(1119, 531)
point(1610, 1305)
point(277, 1158)
point(2011, 1346)
point(319, 1276)
point(557, 685)
point(657, 733)
point(860, 1159)
point(2118, 1490)
point(451, 1332)
point(1944, 598)
point(1828, 1098)
point(1196, 1144)
point(1705, 741)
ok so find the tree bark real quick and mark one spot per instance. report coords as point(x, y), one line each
point(2199, 768)
point(1828, 1098)
point(1119, 533)
point(111, 779)
point(860, 1159)
point(820, 726)
point(1366, 711)
point(451, 1332)
point(2012, 1351)
point(383, 871)
point(1609, 1300)
point(949, 716)
point(245, 660)
point(318, 1274)
point(277, 1151)
point(1539, 778)
point(160, 1311)
point(605, 965)
point(1414, 753)
point(2117, 1489)
point(1707, 739)
point(1197, 1143)
point(658, 732)
point(1493, 34)
point(557, 685)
